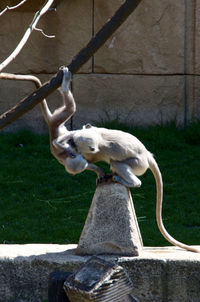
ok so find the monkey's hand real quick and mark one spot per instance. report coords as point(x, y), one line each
point(66, 80)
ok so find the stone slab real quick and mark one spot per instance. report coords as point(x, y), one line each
point(193, 96)
point(135, 100)
point(158, 273)
point(192, 37)
point(151, 40)
point(131, 99)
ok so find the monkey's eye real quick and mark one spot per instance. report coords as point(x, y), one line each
point(72, 155)
point(92, 149)
point(71, 142)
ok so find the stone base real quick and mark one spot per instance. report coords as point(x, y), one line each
point(158, 274)
point(111, 226)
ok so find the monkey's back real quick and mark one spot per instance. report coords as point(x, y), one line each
point(118, 145)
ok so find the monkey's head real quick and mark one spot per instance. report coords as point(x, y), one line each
point(76, 164)
point(86, 141)
point(86, 145)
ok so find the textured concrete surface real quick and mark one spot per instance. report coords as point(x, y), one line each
point(151, 41)
point(133, 99)
point(111, 226)
point(158, 274)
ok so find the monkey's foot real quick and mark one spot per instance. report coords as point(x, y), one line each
point(120, 180)
point(106, 178)
point(67, 78)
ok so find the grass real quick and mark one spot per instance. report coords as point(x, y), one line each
point(41, 203)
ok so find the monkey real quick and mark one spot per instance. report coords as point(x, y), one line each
point(128, 158)
point(77, 150)
point(73, 162)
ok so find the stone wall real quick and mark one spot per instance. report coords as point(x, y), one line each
point(147, 73)
point(166, 274)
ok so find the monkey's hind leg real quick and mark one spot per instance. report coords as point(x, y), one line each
point(125, 174)
point(67, 78)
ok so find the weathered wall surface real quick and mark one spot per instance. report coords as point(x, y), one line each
point(158, 274)
point(148, 72)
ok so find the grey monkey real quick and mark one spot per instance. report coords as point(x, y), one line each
point(128, 158)
point(72, 161)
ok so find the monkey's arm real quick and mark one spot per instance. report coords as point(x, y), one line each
point(96, 169)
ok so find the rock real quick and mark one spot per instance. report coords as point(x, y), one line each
point(111, 226)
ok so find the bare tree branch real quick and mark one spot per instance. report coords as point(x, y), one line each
point(82, 57)
point(27, 34)
point(47, 36)
point(11, 7)
point(12, 76)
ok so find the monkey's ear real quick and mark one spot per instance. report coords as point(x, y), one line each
point(87, 126)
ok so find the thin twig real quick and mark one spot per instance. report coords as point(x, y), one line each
point(82, 57)
point(47, 36)
point(11, 7)
point(28, 32)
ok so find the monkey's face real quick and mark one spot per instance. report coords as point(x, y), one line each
point(86, 145)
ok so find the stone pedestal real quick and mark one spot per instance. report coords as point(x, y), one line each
point(111, 226)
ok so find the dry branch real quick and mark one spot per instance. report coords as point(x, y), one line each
point(83, 56)
point(27, 34)
point(20, 77)
point(11, 7)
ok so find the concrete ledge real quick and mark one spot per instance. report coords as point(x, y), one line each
point(158, 274)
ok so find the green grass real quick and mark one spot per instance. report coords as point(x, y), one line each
point(41, 203)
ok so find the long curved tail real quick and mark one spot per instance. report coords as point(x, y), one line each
point(159, 200)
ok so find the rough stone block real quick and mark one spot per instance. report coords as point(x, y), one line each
point(132, 99)
point(164, 274)
point(158, 274)
point(111, 226)
point(197, 36)
point(151, 41)
point(192, 37)
point(192, 97)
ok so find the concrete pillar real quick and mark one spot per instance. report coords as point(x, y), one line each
point(111, 226)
